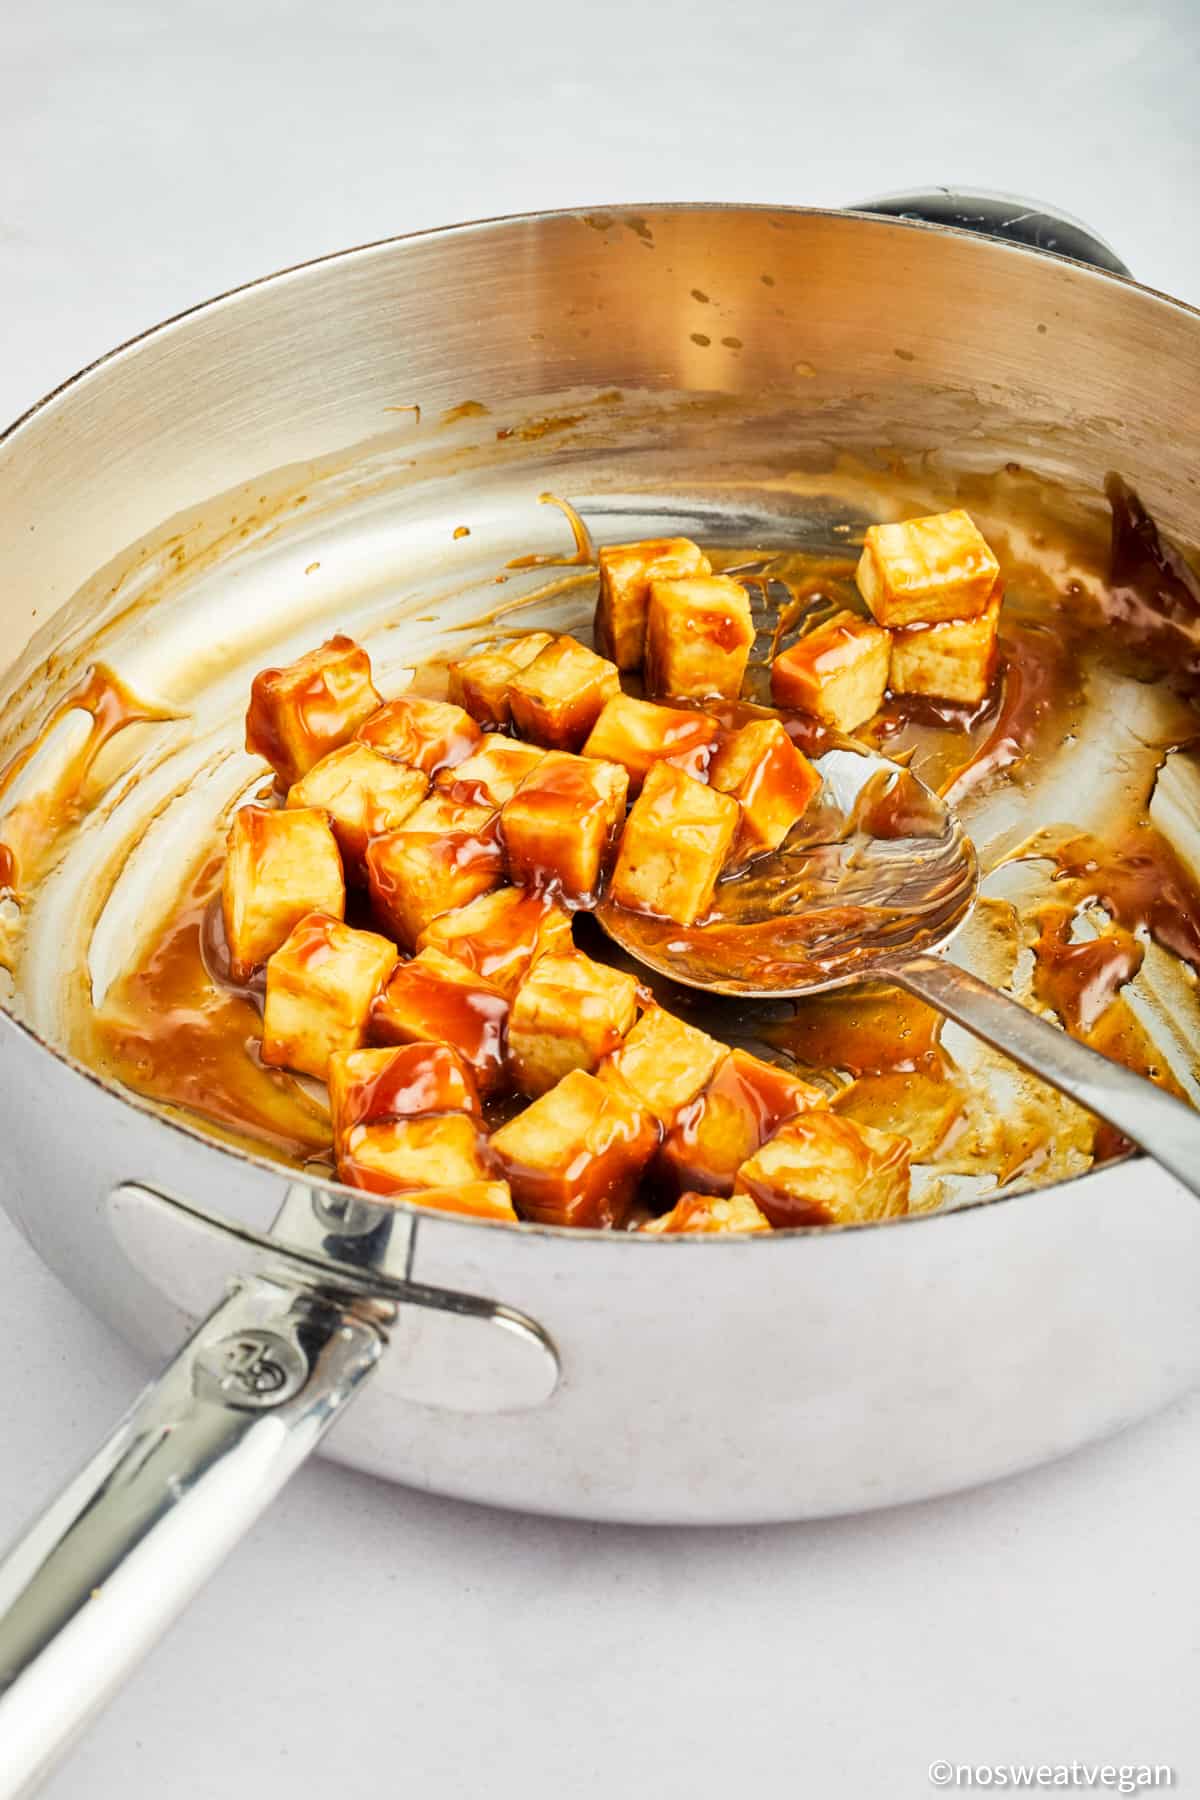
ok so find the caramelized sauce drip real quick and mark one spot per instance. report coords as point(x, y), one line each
point(1040, 670)
point(1140, 882)
point(1081, 980)
point(584, 552)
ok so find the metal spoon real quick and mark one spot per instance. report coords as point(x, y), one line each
point(876, 878)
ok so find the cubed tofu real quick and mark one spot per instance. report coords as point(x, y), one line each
point(568, 1013)
point(675, 843)
point(664, 1062)
point(698, 637)
point(906, 1103)
point(560, 826)
point(426, 734)
point(443, 856)
point(575, 1156)
point(493, 774)
point(502, 934)
point(925, 570)
point(364, 794)
point(952, 661)
point(278, 866)
point(480, 683)
point(300, 713)
point(321, 984)
point(769, 778)
point(746, 1100)
point(376, 1087)
point(626, 571)
point(820, 1169)
point(475, 1199)
point(436, 1000)
point(559, 697)
point(638, 733)
point(839, 672)
point(710, 1215)
point(439, 1150)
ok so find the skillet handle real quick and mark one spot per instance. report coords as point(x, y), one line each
point(117, 1556)
point(1005, 216)
point(1165, 1128)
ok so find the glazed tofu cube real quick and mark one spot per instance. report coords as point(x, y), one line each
point(637, 734)
point(364, 794)
point(698, 637)
point(377, 1087)
point(299, 714)
point(746, 1100)
point(568, 1013)
point(560, 826)
point(480, 683)
point(574, 1157)
point(321, 983)
point(493, 774)
point(502, 934)
point(559, 697)
point(952, 661)
point(435, 1000)
point(924, 570)
point(442, 856)
point(626, 571)
point(434, 1150)
point(676, 840)
point(426, 734)
point(710, 1214)
point(839, 672)
point(820, 1169)
point(769, 778)
point(278, 866)
point(663, 1062)
point(475, 1199)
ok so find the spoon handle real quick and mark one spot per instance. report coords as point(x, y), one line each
point(1165, 1128)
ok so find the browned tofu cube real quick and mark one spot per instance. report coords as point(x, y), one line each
point(475, 1199)
point(434, 1150)
point(364, 793)
point(711, 1214)
point(278, 866)
point(839, 672)
point(769, 778)
point(442, 856)
point(559, 697)
point(574, 1157)
point(925, 570)
point(501, 934)
point(568, 1013)
point(560, 826)
point(376, 1087)
point(745, 1102)
point(664, 1062)
point(952, 661)
point(676, 840)
point(698, 637)
point(626, 571)
point(321, 983)
point(435, 1000)
point(493, 774)
point(820, 1169)
point(426, 734)
point(299, 714)
point(638, 733)
point(480, 683)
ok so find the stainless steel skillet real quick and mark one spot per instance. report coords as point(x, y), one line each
point(248, 475)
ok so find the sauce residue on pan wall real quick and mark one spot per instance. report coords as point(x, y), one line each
point(175, 1028)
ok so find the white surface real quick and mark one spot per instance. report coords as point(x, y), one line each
point(368, 1638)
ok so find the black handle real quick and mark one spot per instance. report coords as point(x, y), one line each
point(1000, 216)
